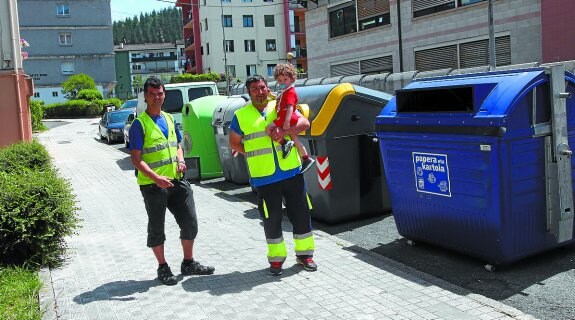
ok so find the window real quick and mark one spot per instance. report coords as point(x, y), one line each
point(250, 45)
point(425, 7)
point(227, 20)
point(467, 2)
point(62, 10)
point(246, 0)
point(248, 21)
point(137, 67)
point(36, 94)
point(231, 70)
point(271, 70)
point(251, 70)
point(464, 55)
point(374, 22)
point(229, 45)
point(65, 39)
point(208, 48)
point(270, 44)
point(374, 15)
point(206, 23)
point(54, 93)
point(342, 21)
point(269, 20)
point(67, 67)
point(226, 0)
point(194, 93)
point(268, 0)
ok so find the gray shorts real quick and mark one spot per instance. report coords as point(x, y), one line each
point(179, 199)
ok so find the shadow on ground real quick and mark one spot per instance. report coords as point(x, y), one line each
point(235, 282)
point(116, 290)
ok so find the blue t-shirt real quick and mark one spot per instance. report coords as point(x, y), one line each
point(278, 175)
point(136, 133)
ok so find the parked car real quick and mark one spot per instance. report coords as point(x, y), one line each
point(130, 104)
point(127, 126)
point(112, 124)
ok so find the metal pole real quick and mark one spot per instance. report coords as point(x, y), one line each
point(225, 53)
point(492, 61)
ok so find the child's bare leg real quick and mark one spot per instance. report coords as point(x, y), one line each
point(300, 147)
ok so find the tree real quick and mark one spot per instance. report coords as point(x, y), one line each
point(75, 83)
point(138, 83)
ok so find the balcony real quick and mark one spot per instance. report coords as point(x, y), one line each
point(297, 4)
point(189, 42)
point(188, 23)
point(300, 52)
point(147, 59)
point(154, 70)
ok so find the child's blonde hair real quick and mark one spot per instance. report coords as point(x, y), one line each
point(284, 69)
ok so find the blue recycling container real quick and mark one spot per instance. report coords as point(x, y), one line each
point(471, 164)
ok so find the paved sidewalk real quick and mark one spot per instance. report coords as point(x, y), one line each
point(111, 274)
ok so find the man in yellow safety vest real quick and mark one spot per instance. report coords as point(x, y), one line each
point(158, 157)
point(275, 178)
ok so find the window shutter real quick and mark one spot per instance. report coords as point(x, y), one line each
point(369, 8)
point(376, 65)
point(474, 54)
point(503, 51)
point(424, 4)
point(345, 69)
point(436, 58)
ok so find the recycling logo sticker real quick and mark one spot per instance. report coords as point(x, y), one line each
point(431, 173)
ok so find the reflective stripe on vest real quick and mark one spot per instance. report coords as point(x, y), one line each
point(159, 153)
point(258, 145)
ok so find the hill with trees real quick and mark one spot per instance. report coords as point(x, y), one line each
point(164, 26)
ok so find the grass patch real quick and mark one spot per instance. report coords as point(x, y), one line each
point(19, 290)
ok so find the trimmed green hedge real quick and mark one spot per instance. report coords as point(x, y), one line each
point(37, 208)
point(188, 77)
point(37, 114)
point(89, 95)
point(24, 155)
point(79, 108)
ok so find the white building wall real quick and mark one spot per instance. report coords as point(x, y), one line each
point(214, 61)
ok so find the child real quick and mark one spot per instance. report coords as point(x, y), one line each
point(285, 74)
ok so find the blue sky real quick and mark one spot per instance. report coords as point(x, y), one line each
point(122, 9)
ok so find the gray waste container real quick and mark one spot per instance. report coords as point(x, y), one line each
point(348, 181)
point(234, 165)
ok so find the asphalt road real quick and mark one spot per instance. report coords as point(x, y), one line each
point(542, 285)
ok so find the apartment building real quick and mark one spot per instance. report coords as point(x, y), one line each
point(243, 37)
point(136, 62)
point(348, 37)
point(66, 38)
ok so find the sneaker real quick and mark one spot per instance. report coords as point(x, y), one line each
point(306, 164)
point(194, 267)
point(276, 268)
point(166, 276)
point(307, 263)
point(286, 148)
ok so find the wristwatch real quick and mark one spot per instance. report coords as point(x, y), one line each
point(182, 162)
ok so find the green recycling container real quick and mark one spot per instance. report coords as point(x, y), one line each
point(199, 142)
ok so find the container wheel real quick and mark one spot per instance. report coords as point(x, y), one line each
point(411, 243)
point(489, 267)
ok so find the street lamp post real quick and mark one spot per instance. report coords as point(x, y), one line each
point(225, 51)
point(492, 62)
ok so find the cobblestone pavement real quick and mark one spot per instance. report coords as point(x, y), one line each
point(111, 274)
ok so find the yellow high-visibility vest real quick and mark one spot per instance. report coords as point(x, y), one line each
point(159, 153)
point(259, 146)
